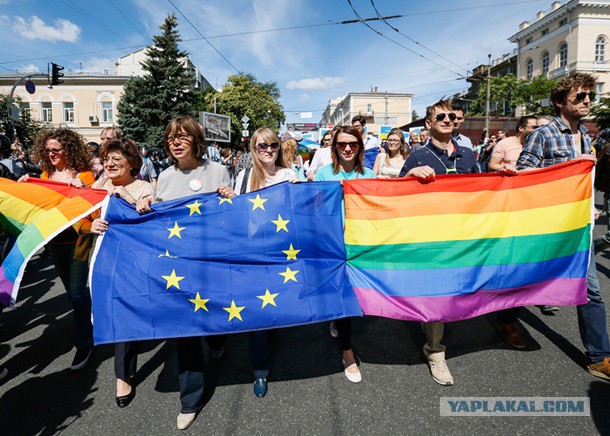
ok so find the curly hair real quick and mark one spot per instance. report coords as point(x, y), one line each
point(573, 81)
point(128, 148)
point(77, 155)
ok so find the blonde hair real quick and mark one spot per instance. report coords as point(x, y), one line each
point(289, 150)
point(267, 136)
point(403, 145)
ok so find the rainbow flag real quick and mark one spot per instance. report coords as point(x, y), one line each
point(36, 211)
point(465, 245)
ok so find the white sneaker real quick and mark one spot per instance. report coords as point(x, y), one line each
point(438, 368)
point(185, 420)
point(333, 330)
point(354, 377)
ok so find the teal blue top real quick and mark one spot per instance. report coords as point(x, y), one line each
point(326, 174)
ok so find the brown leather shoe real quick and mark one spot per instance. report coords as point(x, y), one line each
point(600, 369)
point(510, 334)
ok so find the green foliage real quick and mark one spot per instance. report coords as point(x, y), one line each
point(26, 129)
point(244, 95)
point(601, 113)
point(517, 92)
point(166, 91)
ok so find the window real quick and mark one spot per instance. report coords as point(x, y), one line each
point(68, 111)
point(545, 63)
point(369, 108)
point(25, 109)
point(563, 22)
point(107, 112)
point(528, 40)
point(600, 50)
point(529, 69)
point(46, 111)
point(382, 120)
point(545, 31)
point(563, 55)
point(598, 92)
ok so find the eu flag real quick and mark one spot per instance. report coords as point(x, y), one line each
point(206, 264)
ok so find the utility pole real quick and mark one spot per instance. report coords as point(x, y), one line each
point(488, 108)
point(386, 108)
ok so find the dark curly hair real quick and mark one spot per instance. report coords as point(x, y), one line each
point(77, 154)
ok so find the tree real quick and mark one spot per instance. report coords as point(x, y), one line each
point(244, 95)
point(515, 92)
point(26, 129)
point(164, 92)
point(601, 113)
point(414, 115)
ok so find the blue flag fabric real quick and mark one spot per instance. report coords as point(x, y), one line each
point(207, 265)
point(369, 157)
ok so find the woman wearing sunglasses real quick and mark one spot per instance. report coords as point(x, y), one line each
point(388, 165)
point(191, 174)
point(347, 151)
point(64, 157)
point(269, 168)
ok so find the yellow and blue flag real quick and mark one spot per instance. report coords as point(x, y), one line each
point(206, 265)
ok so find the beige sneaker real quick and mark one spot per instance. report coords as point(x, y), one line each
point(438, 368)
point(185, 420)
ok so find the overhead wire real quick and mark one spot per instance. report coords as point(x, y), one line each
point(128, 19)
point(204, 38)
point(82, 12)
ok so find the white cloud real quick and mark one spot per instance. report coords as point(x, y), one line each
point(31, 68)
point(35, 28)
point(95, 64)
point(5, 20)
point(304, 97)
point(314, 83)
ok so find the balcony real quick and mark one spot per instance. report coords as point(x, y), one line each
point(557, 72)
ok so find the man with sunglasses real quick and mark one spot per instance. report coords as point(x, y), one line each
point(563, 139)
point(441, 155)
point(462, 140)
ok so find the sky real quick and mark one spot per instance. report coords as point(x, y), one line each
point(429, 56)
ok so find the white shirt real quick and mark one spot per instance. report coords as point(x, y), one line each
point(282, 175)
point(371, 142)
point(320, 159)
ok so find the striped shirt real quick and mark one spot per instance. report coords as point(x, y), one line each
point(553, 144)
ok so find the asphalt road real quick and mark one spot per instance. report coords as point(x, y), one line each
point(308, 393)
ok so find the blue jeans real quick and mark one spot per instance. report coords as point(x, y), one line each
point(592, 319)
point(259, 352)
point(73, 274)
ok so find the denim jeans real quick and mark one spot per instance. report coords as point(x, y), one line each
point(73, 274)
point(592, 319)
point(259, 352)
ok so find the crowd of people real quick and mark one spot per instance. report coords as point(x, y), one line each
point(189, 166)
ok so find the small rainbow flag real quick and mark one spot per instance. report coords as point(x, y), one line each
point(36, 211)
point(465, 245)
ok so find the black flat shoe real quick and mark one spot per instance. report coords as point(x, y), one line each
point(125, 400)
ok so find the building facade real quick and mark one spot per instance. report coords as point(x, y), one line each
point(85, 102)
point(379, 108)
point(571, 36)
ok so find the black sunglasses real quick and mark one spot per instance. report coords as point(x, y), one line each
point(263, 147)
point(580, 97)
point(352, 144)
point(442, 115)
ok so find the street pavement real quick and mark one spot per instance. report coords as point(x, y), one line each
point(308, 393)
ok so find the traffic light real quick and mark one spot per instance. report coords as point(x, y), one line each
point(56, 74)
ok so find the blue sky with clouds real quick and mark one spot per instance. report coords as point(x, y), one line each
point(310, 64)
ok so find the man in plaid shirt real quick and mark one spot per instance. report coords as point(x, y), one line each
point(564, 139)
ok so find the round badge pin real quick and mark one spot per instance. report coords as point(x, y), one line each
point(195, 185)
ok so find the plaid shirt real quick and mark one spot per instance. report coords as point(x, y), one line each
point(552, 144)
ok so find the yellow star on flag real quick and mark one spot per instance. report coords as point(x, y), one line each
point(225, 199)
point(194, 207)
point(175, 231)
point(258, 202)
point(199, 302)
point(173, 280)
point(280, 223)
point(166, 254)
point(234, 311)
point(291, 253)
point(268, 298)
point(289, 275)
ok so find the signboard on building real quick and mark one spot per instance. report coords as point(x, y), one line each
point(384, 131)
point(301, 127)
point(216, 127)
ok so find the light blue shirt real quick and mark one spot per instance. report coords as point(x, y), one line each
point(327, 174)
point(462, 140)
